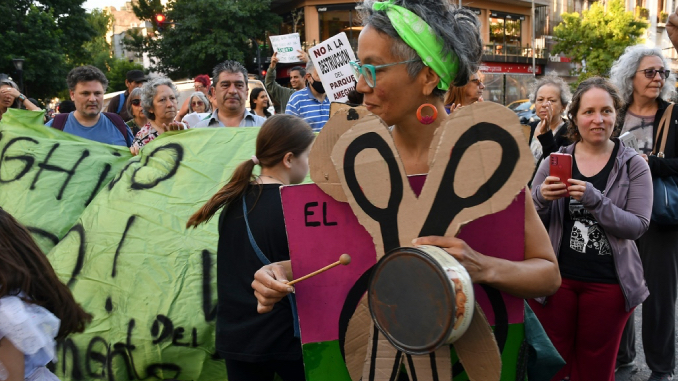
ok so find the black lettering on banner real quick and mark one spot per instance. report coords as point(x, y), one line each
point(179, 335)
point(308, 213)
point(66, 346)
point(27, 159)
point(179, 151)
point(161, 321)
point(44, 233)
point(130, 221)
point(122, 172)
point(102, 177)
point(81, 253)
point(49, 167)
point(100, 358)
point(208, 310)
point(386, 217)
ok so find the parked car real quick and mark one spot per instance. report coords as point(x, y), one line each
point(524, 109)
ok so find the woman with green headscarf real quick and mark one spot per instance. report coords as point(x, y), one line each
point(418, 49)
point(410, 52)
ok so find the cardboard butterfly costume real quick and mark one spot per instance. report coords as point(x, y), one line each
point(364, 204)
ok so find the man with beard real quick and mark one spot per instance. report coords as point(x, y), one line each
point(281, 95)
point(229, 84)
point(87, 85)
point(311, 103)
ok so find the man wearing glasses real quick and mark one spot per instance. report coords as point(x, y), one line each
point(133, 79)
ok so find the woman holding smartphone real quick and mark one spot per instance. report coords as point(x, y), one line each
point(592, 233)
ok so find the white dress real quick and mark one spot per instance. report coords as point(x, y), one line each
point(32, 330)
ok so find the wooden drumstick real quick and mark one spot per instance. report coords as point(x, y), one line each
point(344, 259)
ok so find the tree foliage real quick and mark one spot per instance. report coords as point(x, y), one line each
point(99, 52)
point(49, 35)
point(598, 37)
point(204, 33)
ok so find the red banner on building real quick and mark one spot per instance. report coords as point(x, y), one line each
point(508, 68)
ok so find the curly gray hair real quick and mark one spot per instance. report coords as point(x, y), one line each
point(150, 89)
point(457, 28)
point(203, 98)
point(553, 80)
point(625, 68)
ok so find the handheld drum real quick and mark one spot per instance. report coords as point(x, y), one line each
point(420, 298)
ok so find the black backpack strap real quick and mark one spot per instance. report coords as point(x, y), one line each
point(120, 125)
point(59, 121)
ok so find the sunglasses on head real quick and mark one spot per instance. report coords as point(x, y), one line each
point(650, 73)
point(136, 102)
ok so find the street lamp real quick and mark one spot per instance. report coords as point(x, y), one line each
point(19, 66)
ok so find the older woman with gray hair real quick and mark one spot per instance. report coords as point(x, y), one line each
point(199, 107)
point(159, 103)
point(133, 106)
point(550, 96)
point(642, 76)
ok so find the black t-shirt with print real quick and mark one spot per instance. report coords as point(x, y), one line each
point(242, 333)
point(585, 252)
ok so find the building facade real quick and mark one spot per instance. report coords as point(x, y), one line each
point(506, 28)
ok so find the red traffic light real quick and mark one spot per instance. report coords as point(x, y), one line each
point(160, 18)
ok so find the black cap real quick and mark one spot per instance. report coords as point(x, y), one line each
point(136, 76)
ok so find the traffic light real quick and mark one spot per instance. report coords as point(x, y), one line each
point(160, 20)
point(263, 73)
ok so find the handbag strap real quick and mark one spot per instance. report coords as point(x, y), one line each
point(266, 261)
point(663, 129)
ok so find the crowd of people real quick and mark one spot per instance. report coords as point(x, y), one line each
point(593, 248)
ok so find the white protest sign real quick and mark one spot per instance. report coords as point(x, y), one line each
point(331, 60)
point(286, 46)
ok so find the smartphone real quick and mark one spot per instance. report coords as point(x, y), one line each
point(561, 167)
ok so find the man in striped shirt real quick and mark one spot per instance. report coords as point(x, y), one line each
point(311, 103)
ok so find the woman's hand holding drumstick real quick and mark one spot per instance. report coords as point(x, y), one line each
point(271, 282)
point(344, 259)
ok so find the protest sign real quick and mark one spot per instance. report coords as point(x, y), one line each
point(149, 282)
point(478, 185)
point(286, 46)
point(331, 59)
point(48, 177)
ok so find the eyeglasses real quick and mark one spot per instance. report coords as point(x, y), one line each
point(135, 102)
point(650, 73)
point(197, 103)
point(198, 87)
point(369, 72)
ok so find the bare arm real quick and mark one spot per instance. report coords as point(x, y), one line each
point(12, 359)
point(15, 93)
point(270, 284)
point(672, 28)
point(537, 275)
point(184, 110)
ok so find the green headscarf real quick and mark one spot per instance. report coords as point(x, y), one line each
point(420, 37)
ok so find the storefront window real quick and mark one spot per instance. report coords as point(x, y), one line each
point(507, 88)
point(505, 33)
point(337, 19)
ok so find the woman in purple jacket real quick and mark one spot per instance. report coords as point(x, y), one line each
point(592, 233)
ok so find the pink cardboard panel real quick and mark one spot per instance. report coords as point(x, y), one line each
point(320, 229)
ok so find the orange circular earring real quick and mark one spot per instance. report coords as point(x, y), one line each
point(427, 119)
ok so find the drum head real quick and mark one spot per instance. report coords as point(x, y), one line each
point(412, 301)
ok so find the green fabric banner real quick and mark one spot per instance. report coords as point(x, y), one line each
point(48, 177)
point(122, 244)
point(150, 283)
